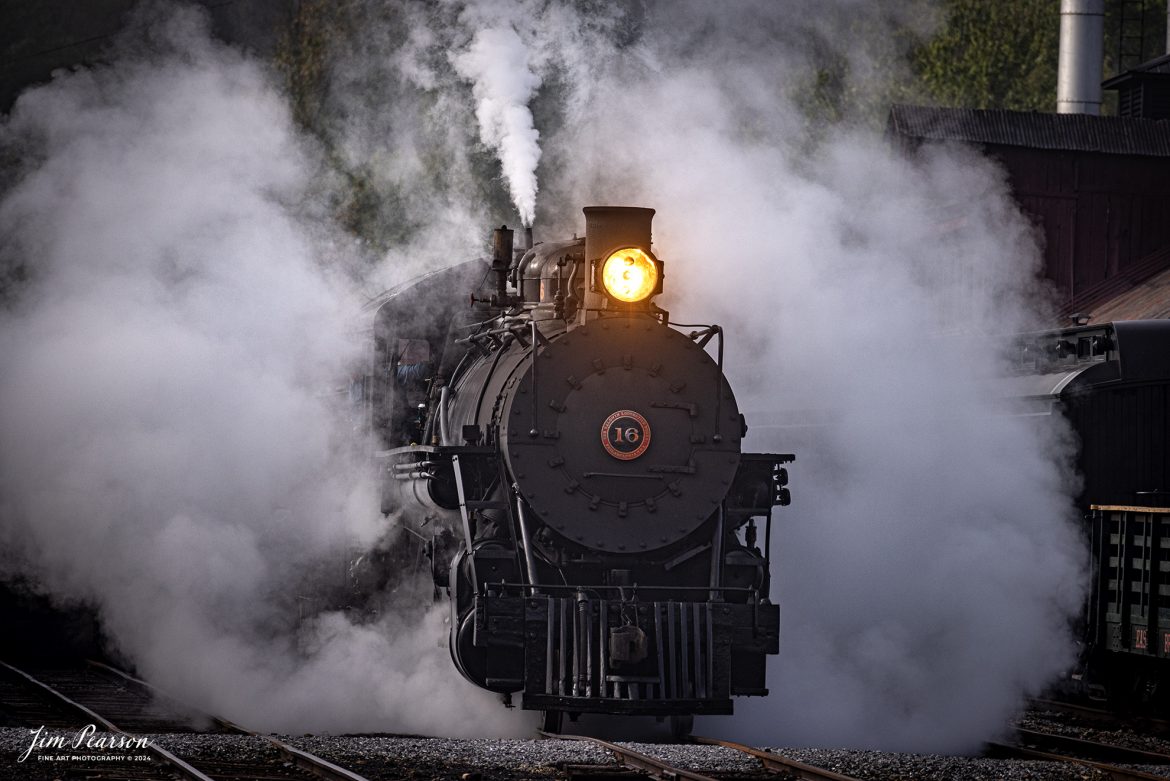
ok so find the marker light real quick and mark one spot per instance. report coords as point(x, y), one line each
point(629, 275)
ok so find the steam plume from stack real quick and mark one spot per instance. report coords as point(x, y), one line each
point(503, 83)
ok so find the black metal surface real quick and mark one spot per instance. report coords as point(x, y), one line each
point(585, 654)
point(578, 486)
point(1112, 382)
point(1132, 601)
point(1144, 349)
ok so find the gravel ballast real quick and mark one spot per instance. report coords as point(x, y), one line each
point(385, 756)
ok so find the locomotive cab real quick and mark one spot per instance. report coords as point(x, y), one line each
point(582, 459)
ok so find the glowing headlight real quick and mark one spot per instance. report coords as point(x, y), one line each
point(629, 275)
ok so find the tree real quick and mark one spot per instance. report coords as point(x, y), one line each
point(1000, 54)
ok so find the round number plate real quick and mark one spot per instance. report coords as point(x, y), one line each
point(625, 435)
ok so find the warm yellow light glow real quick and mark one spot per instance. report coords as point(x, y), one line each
point(629, 275)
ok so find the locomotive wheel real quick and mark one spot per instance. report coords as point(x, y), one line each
point(681, 725)
point(552, 721)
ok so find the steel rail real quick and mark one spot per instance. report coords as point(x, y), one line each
point(1114, 772)
point(188, 771)
point(778, 763)
point(1099, 716)
point(1108, 752)
point(318, 766)
point(655, 768)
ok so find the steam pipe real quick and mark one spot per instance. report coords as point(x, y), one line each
point(443, 424)
point(1078, 78)
point(717, 558)
point(529, 560)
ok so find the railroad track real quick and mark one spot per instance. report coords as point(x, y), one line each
point(778, 763)
point(98, 694)
point(787, 767)
point(1089, 749)
point(656, 768)
point(1105, 738)
point(1114, 772)
point(1104, 719)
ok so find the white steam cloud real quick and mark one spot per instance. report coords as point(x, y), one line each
point(497, 65)
point(929, 568)
point(174, 451)
point(182, 311)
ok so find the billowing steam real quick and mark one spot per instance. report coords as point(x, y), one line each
point(497, 65)
point(928, 569)
point(175, 448)
point(168, 452)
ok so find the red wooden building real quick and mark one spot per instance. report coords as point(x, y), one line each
point(1099, 188)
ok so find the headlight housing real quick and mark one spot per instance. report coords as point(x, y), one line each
point(630, 275)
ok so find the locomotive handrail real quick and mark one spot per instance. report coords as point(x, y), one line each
point(633, 589)
point(462, 450)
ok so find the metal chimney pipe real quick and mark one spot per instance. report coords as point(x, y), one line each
point(501, 261)
point(1082, 41)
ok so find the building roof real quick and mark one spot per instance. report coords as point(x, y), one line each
point(1159, 66)
point(1147, 300)
point(1068, 132)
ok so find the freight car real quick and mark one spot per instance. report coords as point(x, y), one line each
point(1112, 383)
point(572, 458)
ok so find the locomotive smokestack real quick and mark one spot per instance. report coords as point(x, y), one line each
point(528, 237)
point(501, 261)
point(1078, 78)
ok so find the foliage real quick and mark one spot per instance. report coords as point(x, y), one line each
point(1000, 54)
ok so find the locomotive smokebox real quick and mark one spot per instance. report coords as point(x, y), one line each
point(612, 227)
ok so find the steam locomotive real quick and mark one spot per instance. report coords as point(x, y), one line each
point(572, 459)
point(1111, 382)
